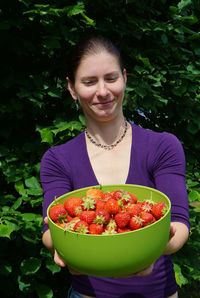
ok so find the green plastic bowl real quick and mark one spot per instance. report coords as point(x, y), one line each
point(113, 255)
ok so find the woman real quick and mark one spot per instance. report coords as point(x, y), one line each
point(113, 151)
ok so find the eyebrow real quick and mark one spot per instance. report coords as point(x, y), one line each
point(106, 75)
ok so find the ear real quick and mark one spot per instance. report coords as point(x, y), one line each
point(124, 75)
point(71, 89)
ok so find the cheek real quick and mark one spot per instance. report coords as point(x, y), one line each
point(85, 94)
point(119, 90)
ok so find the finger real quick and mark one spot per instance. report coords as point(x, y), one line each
point(46, 220)
point(172, 231)
point(58, 260)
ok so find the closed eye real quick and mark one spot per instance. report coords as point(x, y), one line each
point(89, 82)
point(112, 79)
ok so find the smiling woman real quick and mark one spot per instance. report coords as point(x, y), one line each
point(113, 151)
point(99, 87)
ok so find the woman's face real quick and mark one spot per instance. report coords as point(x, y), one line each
point(99, 86)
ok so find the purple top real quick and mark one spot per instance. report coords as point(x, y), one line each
point(157, 161)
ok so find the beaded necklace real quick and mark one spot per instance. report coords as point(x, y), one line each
point(107, 147)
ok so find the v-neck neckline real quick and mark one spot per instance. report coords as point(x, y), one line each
point(90, 170)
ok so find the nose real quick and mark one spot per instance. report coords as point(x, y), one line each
point(102, 89)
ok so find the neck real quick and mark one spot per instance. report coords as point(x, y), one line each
point(108, 132)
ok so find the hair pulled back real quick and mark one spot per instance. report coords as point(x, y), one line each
point(88, 46)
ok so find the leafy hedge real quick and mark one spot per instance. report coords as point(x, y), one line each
point(160, 47)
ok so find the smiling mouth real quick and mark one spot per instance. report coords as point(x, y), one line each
point(104, 103)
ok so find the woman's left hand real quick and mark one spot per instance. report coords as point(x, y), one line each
point(178, 236)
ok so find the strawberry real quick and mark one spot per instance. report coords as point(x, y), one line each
point(73, 205)
point(81, 227)
point(111, 226)
point(94, 193)
point(60, 224)
point(117, 194)
point(106, 196)
point(136, 222)
point(123, 230)
point(147, 218)
point(134, 199)
point(159, 210)
point(112, 206)
point(96, 229)
point(69, 226)
point(57, 213)
point(128, 198)
point(147, 206)
point(102, 217)
point(133, 209)
point(88, 216)
point(122, 219)
point(100, 205)
point(89, 203)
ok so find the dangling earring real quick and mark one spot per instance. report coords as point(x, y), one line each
point(77, 105)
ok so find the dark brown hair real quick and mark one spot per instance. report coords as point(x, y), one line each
point(91, 45)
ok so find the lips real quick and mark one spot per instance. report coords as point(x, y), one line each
point(104, 104)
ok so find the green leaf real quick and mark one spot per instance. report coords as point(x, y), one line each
point(82, 119)
point(44, 291)
point(5, 231)
point(194, 196)
point(164, 38)
point(32, 182)
point(184, 3)
point(180, 279)
point(75, 9)
point(17, 203)
point(46, 135)
point(29, 216)
point(25, 283)
point(50, 264)
point(5, 269)
point(30, 266)
point(87, 20)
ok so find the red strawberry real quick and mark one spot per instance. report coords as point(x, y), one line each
point(112, 206)
point(96, 229)
point(88, 216)
point(69, 226)
point(57, 213)
point(147, 218)
point(100, 205)
point(133, 209)
point(159, 210)
point(73, 205)
point(134, 199)
point(128, 198)
point(117, 194)
point(106, 196)
point(60, 224)
point(89, 203)
point(147, 206)
point(136, 222)
point(94, 193)
point(102, 217)
point(81, 227)
point(122, 219)
point(123, 230)
point(111, 226)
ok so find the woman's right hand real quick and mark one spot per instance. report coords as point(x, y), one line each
point(47, 241)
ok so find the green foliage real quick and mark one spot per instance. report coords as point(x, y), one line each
point(160, 49)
